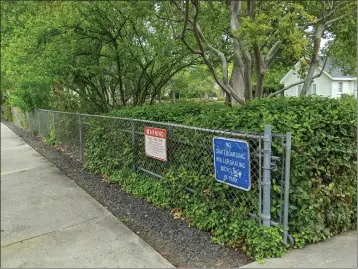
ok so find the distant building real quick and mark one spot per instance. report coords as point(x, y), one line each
point(332, 82)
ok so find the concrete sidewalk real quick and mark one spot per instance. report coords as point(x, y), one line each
point(49, 221)
point(337, 252)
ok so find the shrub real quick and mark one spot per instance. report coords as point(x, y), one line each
point(63, 100)
point(323, 167)
point(180, 112)
point(51, 139)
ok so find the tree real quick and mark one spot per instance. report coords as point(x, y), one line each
point(343, 43)
point(115, 54)
point(144, 58)
point(19, 67)
point(327, 13)
point(257, 32)
point(110, 54)
point(193, 82)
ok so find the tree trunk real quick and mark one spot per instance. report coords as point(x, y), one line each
point(152, 99)
point(247, 80)
point(160, 96)
point(260, 75)
point(228, 100)
point(237, 84)
point(314, 59)
point(260, 86)
point(135, 99)
point(172, 91)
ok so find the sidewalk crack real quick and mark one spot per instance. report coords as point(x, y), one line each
point(60, 229)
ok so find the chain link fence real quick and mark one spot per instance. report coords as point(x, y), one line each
point(189, 150)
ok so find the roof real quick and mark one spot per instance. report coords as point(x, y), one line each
point(334, 71)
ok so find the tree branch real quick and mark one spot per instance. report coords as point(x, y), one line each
point(234, 24)
point(170, 21)
point(334, 9)
point(167, 19)
point(224, 84)
point(335, 19)
point(191, 49)
point(177, 6)
point(200, 40)
point(186, 16)
point(272, 52)
point(182, 33)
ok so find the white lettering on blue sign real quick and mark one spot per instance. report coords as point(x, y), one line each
point(232, 162)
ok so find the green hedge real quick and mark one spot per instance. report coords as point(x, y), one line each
point(323, 174)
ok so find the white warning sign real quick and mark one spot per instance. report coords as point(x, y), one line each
point(156, 143)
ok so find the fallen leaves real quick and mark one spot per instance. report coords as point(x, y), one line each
point(177, 212)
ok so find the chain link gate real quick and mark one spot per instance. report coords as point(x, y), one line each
point(189, 149)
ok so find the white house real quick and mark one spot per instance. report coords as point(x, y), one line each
point(332, 82)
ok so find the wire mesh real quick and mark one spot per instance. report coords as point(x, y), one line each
point(189, 164)
point(190, 151)
point(45, 118)
point(17, 116)
point(278, 178)
point(66, 129)
point(32, 124)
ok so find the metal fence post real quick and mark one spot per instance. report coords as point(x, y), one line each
point(266, 183)
point(27, 121)
point(53, 122)
point(80, 135)
point(169, 139)
point(133, 146)
point(39, 124)
point(287, 186)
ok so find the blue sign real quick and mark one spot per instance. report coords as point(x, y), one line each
point(232, 162)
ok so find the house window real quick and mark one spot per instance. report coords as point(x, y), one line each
point(299, 89)
point(340, 87)
point(312, 89)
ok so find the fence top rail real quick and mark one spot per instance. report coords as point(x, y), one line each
point(216, 131)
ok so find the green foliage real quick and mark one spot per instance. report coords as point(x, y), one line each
point(195, 82)
point(323, 182)
point(6, 112)
point(107, 53)
point(276, 73)
point(113, 153)
point(62, 100)
point(5, 104)
point(22, 72)
point(180, 112)
point(70, 101)
point(29, 96)
point(114, 54)
point(343, 44)
point(51, 139)
point(275, 21)
point(323, 172)
point(153, 190)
